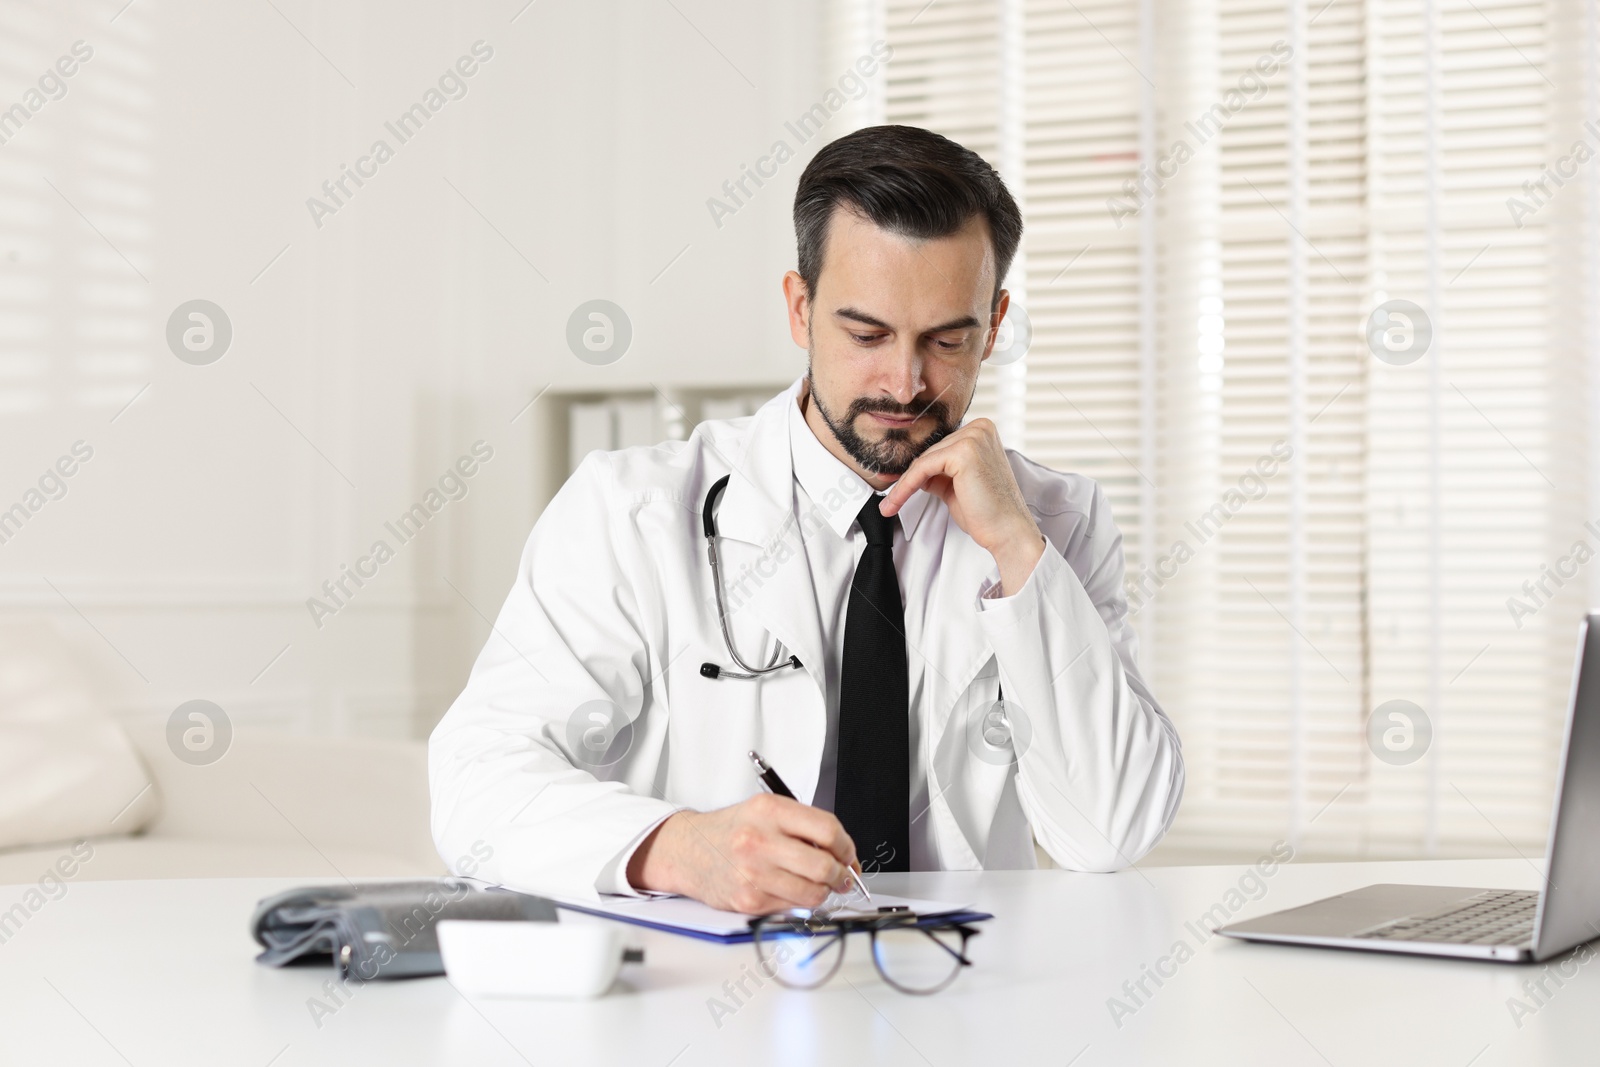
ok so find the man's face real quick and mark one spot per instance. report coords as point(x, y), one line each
point(897, 331)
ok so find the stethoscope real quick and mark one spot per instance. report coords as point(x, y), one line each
point(711, 670)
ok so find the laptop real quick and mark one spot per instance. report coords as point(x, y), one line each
point(1484, 924)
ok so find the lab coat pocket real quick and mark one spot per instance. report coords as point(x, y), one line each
point(716, 722)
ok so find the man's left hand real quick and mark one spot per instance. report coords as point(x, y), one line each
point(969, 472)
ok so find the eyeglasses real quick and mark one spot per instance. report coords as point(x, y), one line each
point(913, 954)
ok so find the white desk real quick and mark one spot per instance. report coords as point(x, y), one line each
point(161, 973)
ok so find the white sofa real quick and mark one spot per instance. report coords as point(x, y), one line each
point(300, 807)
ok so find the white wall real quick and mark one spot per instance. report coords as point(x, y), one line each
point(377, 347)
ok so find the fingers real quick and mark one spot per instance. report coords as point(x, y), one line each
point(941, 458)
point(815, 826)
point(772, 871)
point(794, 891)
point(767, 854)
point(776, 853)
point(775, 890)
point(814, 865)
point(922, 468)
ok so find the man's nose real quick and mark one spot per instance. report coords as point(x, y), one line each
point(903, 378)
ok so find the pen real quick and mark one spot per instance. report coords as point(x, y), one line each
point(770, 778)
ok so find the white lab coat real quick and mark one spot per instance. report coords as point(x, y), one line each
point(613, 602)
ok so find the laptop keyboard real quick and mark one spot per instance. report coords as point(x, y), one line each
point(1494, 917)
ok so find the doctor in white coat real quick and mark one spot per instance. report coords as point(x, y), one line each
point(601, 743)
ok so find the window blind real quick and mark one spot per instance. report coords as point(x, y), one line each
point(1218, 200)
point(946, 75)
point(88, 239)
point(1480, 485)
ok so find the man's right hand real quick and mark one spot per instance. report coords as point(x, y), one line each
point(762, 855)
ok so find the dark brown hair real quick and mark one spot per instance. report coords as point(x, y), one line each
point(906, 180)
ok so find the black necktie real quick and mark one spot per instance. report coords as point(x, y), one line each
point(872, 796)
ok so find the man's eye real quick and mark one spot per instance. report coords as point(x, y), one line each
point(950, 346)
point(863, 338)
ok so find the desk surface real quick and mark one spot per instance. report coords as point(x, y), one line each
point(161, 972)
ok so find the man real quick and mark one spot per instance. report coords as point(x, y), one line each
point(963, 679)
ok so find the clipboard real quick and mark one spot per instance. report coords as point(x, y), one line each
point(690, 918)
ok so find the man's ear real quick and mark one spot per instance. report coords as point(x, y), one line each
point(798, 299)
point(995, 318)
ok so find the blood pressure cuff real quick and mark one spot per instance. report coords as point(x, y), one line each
point(380, 929)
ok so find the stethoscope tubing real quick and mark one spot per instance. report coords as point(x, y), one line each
point(708, 523)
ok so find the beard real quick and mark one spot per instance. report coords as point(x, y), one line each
point(896, 452)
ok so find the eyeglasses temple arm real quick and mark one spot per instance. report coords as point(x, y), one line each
point(965, 932)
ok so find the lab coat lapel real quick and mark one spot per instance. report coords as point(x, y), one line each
point(758, 508)
point(957, 651)
point(954, 644)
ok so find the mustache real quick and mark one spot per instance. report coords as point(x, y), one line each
point(885, 406)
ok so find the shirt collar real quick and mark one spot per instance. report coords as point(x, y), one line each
point(820, 472)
